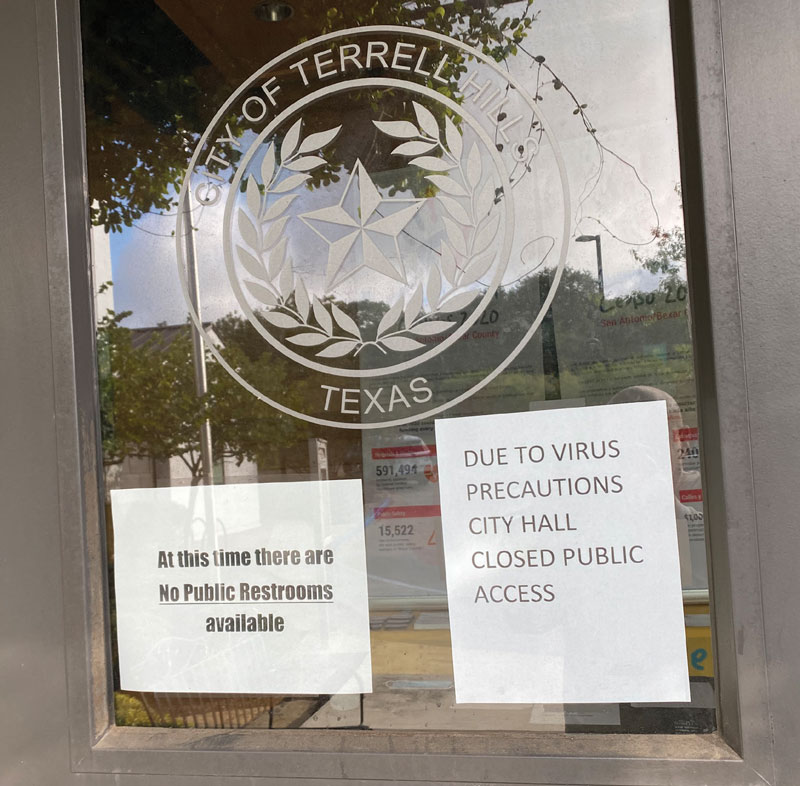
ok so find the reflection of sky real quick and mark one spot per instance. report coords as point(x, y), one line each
point(616, 59)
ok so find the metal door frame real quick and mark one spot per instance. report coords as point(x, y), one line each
point(751, 556)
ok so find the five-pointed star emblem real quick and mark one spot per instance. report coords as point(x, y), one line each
point(342, 224)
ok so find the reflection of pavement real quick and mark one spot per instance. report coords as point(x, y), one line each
point(423, 653)
point(289, 712)
point(408, 702)
point(413, 689)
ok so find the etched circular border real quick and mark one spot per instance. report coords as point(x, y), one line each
point(183, 201)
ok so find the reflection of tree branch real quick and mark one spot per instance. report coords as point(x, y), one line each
point(533, 270)
point(593, 180)
point(196, 220)
point(374, 144)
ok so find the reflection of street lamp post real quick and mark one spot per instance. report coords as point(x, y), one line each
point(198, 351)
point(596, 239)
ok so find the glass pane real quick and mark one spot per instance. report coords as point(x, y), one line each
point(304, 254)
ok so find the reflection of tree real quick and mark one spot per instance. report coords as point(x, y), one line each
point(607, 345)
point(668, 260)
point(146, 87)
point(150, 408)
point(243, 426)
point(149, 91)
point(474, 23)
point(545, 76)
point(602, 346)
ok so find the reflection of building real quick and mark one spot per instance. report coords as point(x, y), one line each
point(143, 470)
point(140, 470)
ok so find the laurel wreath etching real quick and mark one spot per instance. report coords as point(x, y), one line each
point(466, 256)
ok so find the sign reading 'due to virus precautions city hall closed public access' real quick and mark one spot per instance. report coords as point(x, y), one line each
point(249, 588)
point(562, 556)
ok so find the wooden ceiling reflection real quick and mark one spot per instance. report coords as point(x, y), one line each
point(230, 35)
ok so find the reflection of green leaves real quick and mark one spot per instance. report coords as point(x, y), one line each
point(668, 259)
point(242, 425)
point(149, 403)
point(139, 117)
point(150, 407)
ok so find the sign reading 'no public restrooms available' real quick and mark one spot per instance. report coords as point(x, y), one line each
point(253, 588)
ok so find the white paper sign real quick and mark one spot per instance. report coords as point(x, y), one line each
point(269, 598)
point(561, 552)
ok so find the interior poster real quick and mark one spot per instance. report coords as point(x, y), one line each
point(402, 513)
point(250, 588)
point(561, 550)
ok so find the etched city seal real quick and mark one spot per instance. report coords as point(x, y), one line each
point(366, 198)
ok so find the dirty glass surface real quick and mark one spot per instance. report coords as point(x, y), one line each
point(484, 220)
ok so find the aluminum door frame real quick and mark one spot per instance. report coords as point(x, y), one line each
point(740, 174)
